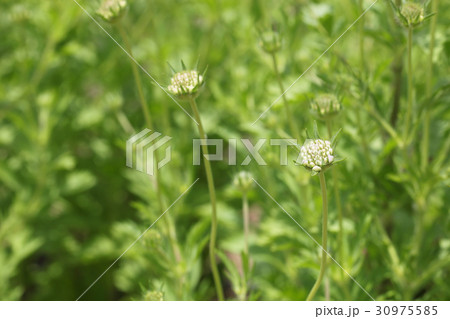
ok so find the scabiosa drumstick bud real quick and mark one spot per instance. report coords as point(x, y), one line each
point(316, 155)
point(112, 10)
point(154, 296)
point(326, 105)
point(244, 181)
point(412, 13)
point(186, 84)
point(270, 41)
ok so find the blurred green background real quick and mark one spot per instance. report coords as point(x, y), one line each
point(68, 102)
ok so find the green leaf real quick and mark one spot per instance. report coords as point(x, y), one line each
point(171, 68)
point(316, 130)
point(183, 65)
point(334, 138)
point(307, 134)
point(204, 72)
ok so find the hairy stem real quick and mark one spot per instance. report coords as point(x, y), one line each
point(212, 195)
point(323, 263)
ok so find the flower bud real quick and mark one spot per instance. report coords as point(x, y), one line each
point(270, 41)
point(316, 155)
point(325, 105)
point(112, 10)
point(186, 84)
point(412, 14)
point(154, 296)
point(243, 181)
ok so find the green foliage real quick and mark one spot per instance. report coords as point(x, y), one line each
point(69, 207)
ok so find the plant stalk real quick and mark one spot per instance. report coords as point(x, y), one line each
point(212, 195)
point(334, 174)
point(429, 87)
point(363, 77)
point(136, 76)
point(169, 221)
point(361, 38)
point(323, 263)
point(410, 88)
point(245, 213)
point(245, 216)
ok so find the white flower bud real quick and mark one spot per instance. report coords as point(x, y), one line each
point(243, 180)
point(112, 10)
point(316, 154)
point(185, 83)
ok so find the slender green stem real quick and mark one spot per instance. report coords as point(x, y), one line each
point(419, 226)
point(245, 213)
point(124, 122)
point(334, 174)
point(397, 70)
point(361, 38)
point(245, 217)
point(212, 195)
point(168, 220)
point(410, 88)
point(323, 263)
point(429, 87)
point(137, 78)
point(395, 264)
point(289, 115)
point(363, 77)
point(432, 270)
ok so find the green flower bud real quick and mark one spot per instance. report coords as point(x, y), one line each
point(154, 296)
point(112, 10)
point(186, 84)
point(270, 41)
point(325, 105)
point(243, 181)
point(413, 14)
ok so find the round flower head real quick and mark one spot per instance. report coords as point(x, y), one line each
point(186, 84)
point(412, 14)
point(270, 41)
point(326, 105)
point(154, 296)
point(316, 155)
point(112, 10)
point(244, 181)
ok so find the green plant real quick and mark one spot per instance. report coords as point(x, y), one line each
point(112, 11)
point(186, 85)
point(317, 155)
point(271, 43)
point(327, 107)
